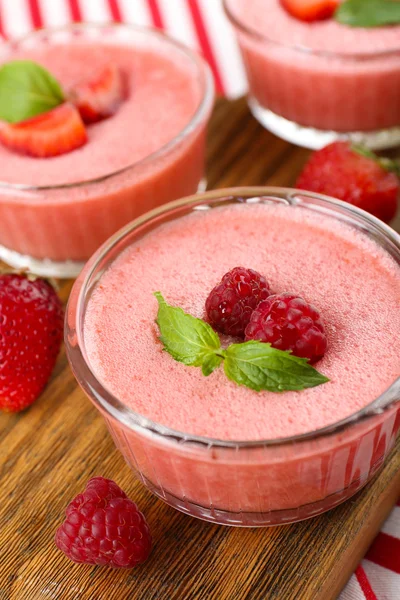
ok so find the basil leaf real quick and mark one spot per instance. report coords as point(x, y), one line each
point(368, 13)
point(27, 90)
point(188, 340)
point(254, 364)
point(210, 363)
point(260, 367)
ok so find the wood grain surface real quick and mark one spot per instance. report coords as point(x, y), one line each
point(48, 453)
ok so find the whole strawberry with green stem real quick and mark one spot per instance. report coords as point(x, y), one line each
point(355, 175)
point(31, 329)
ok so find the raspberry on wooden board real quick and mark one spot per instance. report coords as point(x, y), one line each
point(103, 527)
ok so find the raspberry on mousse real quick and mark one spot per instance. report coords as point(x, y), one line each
point(288, 322)
point(230, 304)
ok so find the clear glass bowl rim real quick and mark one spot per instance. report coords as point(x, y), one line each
point(108, 403)
point(205, 104)
point(251, 31)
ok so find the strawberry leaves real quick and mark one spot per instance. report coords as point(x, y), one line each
point(392, 166)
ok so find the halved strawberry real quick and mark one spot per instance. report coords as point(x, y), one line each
point(311, 10)
point(100, 97)
point(57, 131)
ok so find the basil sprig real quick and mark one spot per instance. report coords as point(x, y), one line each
point(253, 364)
point(27, 90)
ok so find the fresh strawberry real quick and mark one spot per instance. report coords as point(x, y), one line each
point(31, 328)
point(311, 10)
point(100, 97)
point(355, 175)
point(57, 131)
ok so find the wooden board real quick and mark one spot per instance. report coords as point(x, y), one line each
point(48, 453)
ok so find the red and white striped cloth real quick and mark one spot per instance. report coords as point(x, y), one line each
point(201, 24)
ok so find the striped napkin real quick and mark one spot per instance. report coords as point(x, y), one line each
point(201, 24)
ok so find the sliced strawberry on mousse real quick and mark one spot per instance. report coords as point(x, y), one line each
point(55, 132)
point(311, 10)
point(100, 97)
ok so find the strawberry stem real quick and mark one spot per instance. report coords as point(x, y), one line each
point(393, 166)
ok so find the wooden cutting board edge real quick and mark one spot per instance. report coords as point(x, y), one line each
point(356, 551)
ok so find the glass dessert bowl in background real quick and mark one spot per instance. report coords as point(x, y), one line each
point(313, 83)
point(55, 212)
point(248, 483)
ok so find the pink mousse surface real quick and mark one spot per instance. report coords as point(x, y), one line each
point(352, 281)
point(269, 18)
point(163, 96)
point(355, 285)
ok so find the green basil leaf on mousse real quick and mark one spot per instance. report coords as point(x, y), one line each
point(254, 364)
point(368, 13)
point(27, 90)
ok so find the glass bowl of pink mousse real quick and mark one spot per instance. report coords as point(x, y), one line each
point(55, 212)
point(204, 445)
point(313, 83)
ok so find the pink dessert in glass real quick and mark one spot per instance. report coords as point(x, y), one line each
point(205, 445)
point(55, 212)
point(311, 83)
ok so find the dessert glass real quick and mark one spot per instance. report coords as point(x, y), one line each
point(312, 98)
point(53, 229)
point(244, 483)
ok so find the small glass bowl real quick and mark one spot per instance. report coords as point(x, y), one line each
point(52, 230)
point(311, 98)
point(242, 483)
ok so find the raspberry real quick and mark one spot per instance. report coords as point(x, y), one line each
point(104, 527)
point(231, 302)
point(287, 322)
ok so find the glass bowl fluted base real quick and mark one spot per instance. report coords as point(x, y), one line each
point(43, 267)
point(258, 519)
point(314, 139)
